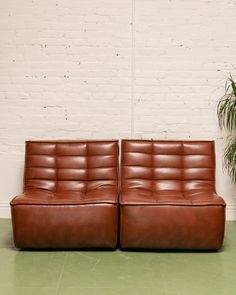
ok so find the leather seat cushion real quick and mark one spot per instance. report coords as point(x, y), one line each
point(170, 197)
point(43, 197)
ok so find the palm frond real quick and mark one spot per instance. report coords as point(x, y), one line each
point(226, 108)
point(230, 159)
point(233, 85)
point(226, 111)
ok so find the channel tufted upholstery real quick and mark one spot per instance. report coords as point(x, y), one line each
point(70, 195)
point(168, 198)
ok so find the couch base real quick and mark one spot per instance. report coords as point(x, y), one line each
point(172, 227)
point(65, 226)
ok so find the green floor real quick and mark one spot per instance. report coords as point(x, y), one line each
point(116, 272)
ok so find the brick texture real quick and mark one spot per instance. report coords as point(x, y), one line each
point(112, 69)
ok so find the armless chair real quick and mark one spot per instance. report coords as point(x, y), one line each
point(70, 196)
point(168, 198)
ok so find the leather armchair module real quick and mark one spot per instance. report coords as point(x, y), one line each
point(70, 196)
point(168, 198)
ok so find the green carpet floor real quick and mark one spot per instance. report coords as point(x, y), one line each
point(116, 272)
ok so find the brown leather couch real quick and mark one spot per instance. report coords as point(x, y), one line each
point(168, 198)
point(70, 196)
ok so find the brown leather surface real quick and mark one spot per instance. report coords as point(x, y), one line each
point(170, 197)
point(41, 197)
point(71, 166)
point(166, 186)
point(65, 227)
point(64, 179)
point(172, 227)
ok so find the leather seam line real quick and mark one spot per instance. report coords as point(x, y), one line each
point(64, 204)
point(160, 154)
point(76, 156)
point(173, 205)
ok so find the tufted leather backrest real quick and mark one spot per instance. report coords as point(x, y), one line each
point(168, 165)
point(71, 165)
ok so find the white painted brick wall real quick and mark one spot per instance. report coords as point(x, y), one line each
point(112, 69)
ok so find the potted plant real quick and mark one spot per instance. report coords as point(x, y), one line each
point(226, 111)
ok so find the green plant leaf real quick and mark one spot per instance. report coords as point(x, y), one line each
point(233, 86)
point(226, 108)
point(230, 159)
